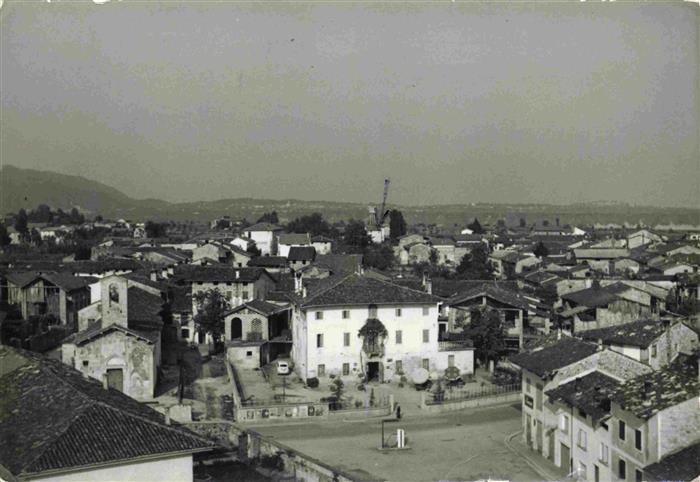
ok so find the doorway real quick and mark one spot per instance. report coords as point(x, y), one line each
point(115, 378)
point(565, 458)
point(236, 329)
point(373, 372)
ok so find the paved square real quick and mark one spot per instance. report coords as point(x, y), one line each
point(461, 445)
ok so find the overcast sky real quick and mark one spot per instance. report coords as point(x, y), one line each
point(456, 102)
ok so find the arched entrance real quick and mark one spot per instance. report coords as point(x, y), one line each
point(236, 329)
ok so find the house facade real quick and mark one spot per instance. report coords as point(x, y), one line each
point(362, 326)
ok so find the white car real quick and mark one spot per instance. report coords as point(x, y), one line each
point(284, 367)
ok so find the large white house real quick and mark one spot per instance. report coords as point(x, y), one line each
point(356, 325)
point(265, 236)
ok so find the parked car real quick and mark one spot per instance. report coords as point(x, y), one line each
point(284, 366)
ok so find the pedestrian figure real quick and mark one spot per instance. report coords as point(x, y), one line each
point(398, 412)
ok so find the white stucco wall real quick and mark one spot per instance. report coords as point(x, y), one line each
point(411, 351)
point(178, 469)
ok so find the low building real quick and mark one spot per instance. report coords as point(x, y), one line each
point(265, 236)
point(300, 257)
point(65, 426)
point(59, 294)
point(119, 341)
point(286, 241)
point(322, 244)
point(654, 342)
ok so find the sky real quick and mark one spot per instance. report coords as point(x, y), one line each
point(455, 102)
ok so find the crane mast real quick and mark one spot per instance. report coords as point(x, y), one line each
point(382, 214)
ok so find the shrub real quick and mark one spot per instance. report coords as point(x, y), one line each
point(358, 404)
point(361, 387)
point(312, 382)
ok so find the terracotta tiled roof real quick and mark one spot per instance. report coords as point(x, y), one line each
point(543, 362)
point(637, 333)
point(648, 394)
point(355, 289)
point(61, 420)
point(590, 393)
point(268, 262)
point(492, 291)
point(596, 296)
point(301, 253)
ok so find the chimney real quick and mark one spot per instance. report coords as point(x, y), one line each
point(167, 416)
point(557, 222)
point(429, 287)
point(238, 274)
point(558, 333)
point(105, 384)
point(298, 283)
point(154, 275)
point(646, 387)
point(303, 291)
point(600, 343)
point(171, 271)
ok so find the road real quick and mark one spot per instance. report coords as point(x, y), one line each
point(459, 445)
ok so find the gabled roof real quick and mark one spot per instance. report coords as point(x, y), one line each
point(355, 289)
point(545, 361)
point(62, 420)
point(295, 238)
point(219, 273)
point(650, 393)
point(637, 333)
point(97, 330)
point(590, 393)
point(301, 253)
point(340, 263)
point(595, 297)
point(20, 278)
point(494, 292)
point(65, 281)
point(259, 306)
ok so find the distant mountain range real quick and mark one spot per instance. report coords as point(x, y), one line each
point(27, 188)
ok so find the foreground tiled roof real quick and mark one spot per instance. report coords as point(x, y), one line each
point(355, 289)
point(590, 393)
point(340, 263)
point(544, 361)
point(647, 395)
point(681, 465)
point(53, 418)
point(637, 333)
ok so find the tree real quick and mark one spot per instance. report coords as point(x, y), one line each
point(252, 249)
point(475, 265)
point(269, 218)
point(21, 225)
point(211, 308)
point(356, 237)
point(42, 214)
point(99, 218)
point(434, 256)
point(378, 256)
point(397, 225)
point(5, 239)
point(35, 237)
point(337, 388)
point(76, 217)
point(314, 224)
point(476, 227)
point(155, 230)
point(486, 332)
point(541, 250)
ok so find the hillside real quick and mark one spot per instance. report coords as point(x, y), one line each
point(27, 188)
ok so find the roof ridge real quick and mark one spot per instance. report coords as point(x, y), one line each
point(324, 290)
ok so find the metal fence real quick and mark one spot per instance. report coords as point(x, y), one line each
point(460, 394)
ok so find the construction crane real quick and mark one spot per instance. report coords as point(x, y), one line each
point(383, 212)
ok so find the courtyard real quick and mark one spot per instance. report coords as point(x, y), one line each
point(462, 445)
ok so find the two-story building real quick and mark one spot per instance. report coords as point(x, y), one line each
point(352, 325)
point(265, 236)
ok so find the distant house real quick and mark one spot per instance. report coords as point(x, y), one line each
point(602, 306)
point(445, 248)
point(300, 257)
point(265, 236)
point(322, 244)
point(288, 240)
point(58, 294)
point(243, 242)
point(119, 341)
point(221, 253)
point(272, 264)
point(643, 237)
point(654, 342)
point(65, 426)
